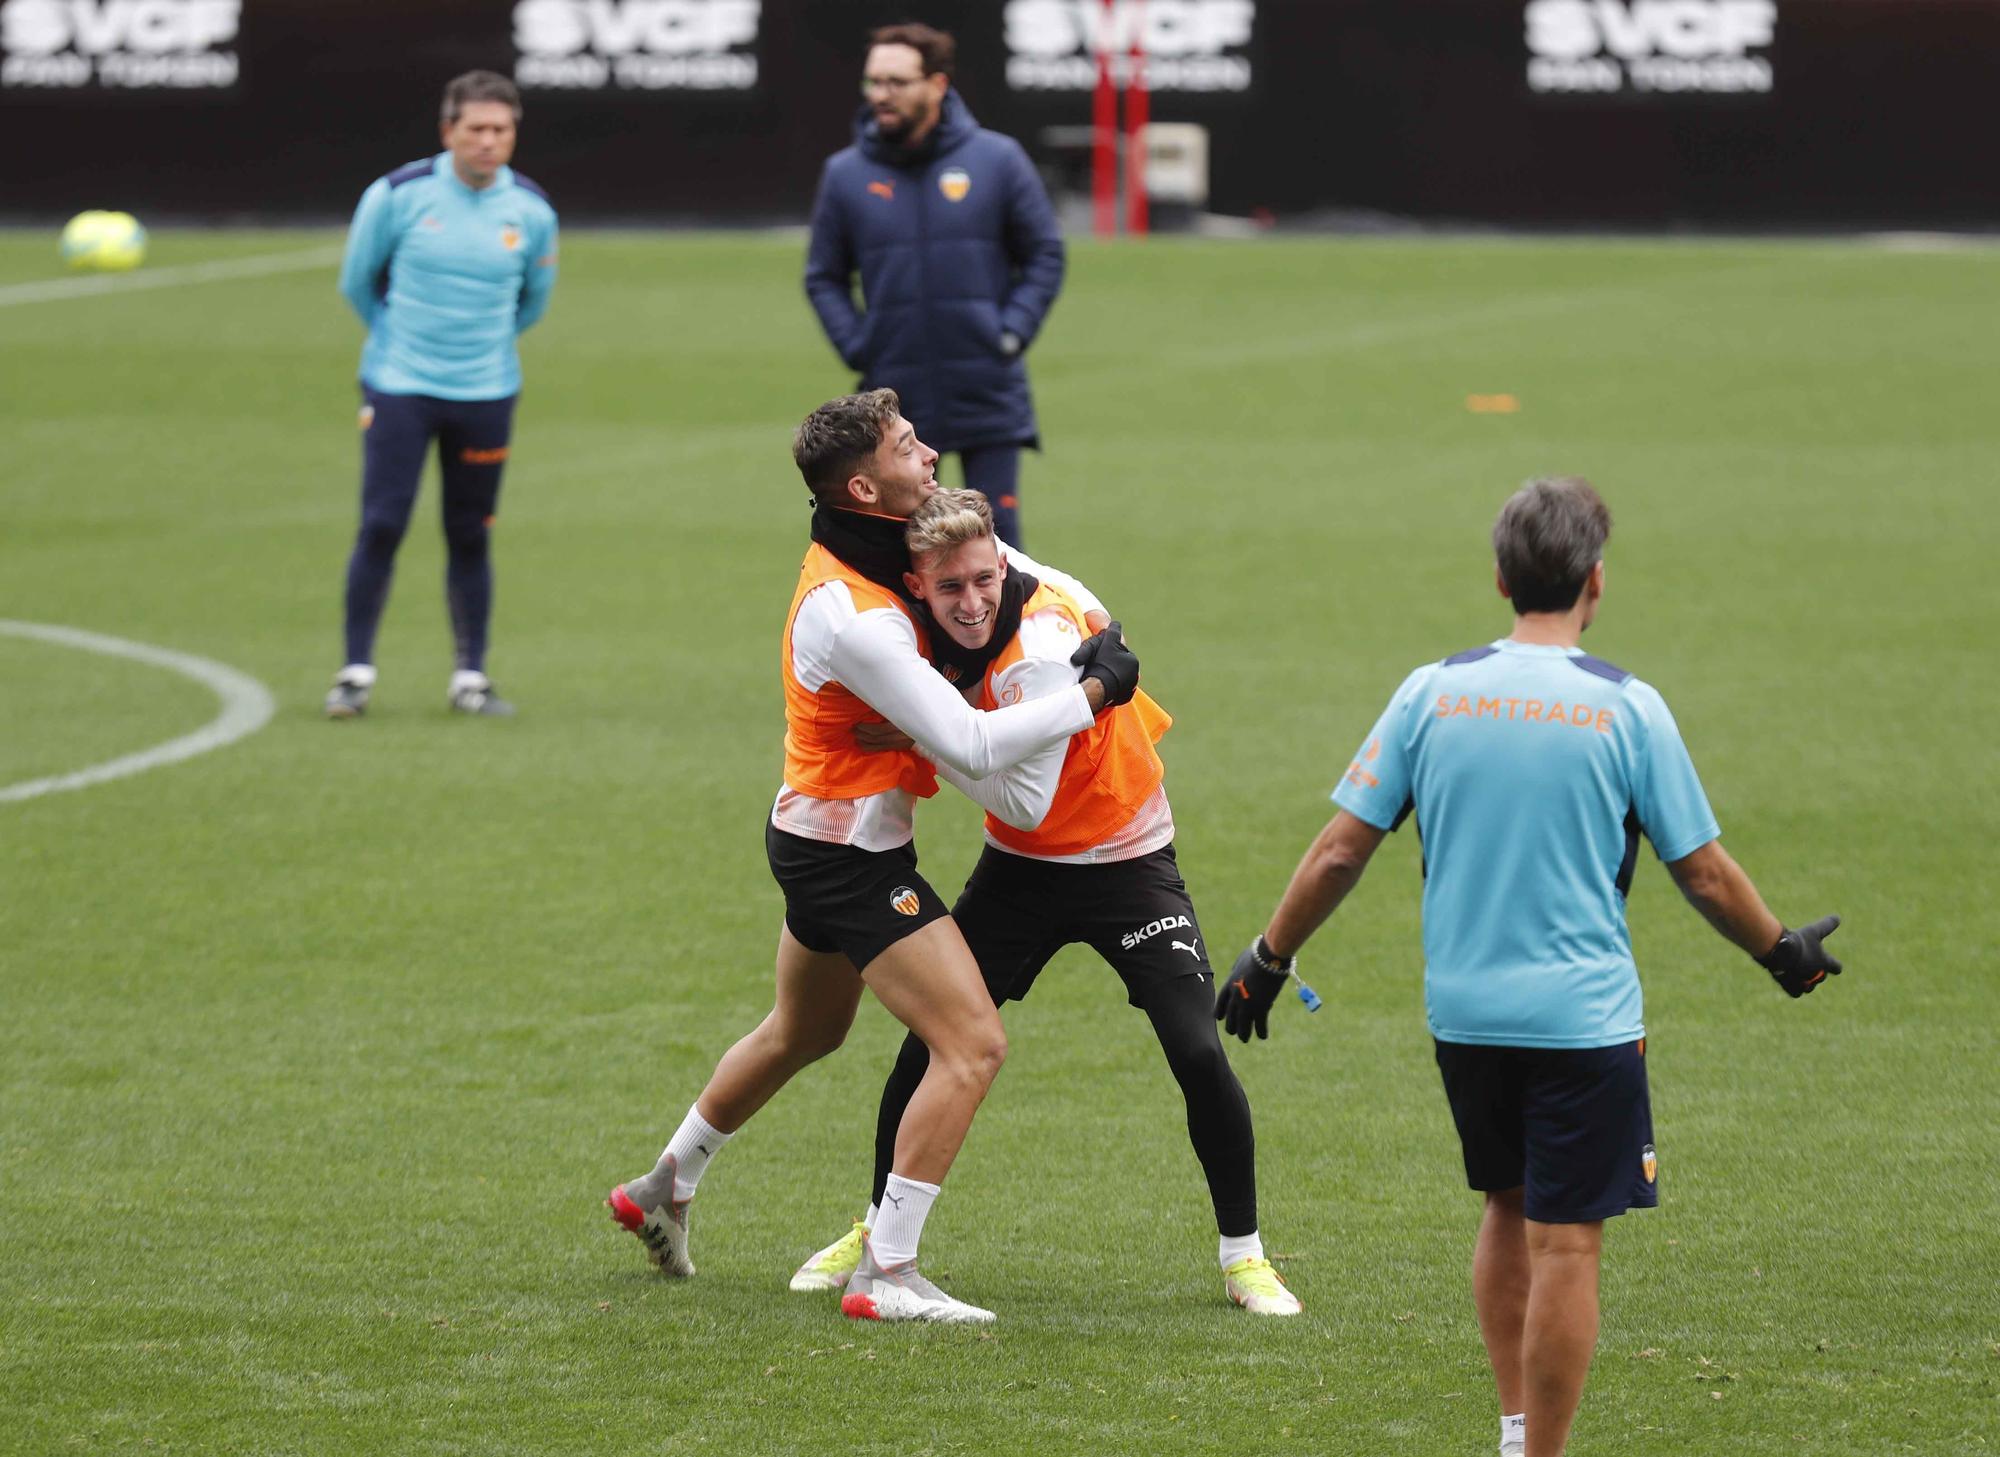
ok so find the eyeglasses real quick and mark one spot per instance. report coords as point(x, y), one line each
point(871, 84)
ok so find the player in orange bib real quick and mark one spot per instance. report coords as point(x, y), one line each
point(1079, 848)
point(839, 840)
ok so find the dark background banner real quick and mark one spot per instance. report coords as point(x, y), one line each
point(1645, 113)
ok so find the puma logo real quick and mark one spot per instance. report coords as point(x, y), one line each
point(1183, 946)
point(895, 1199)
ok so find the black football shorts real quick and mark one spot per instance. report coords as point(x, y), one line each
point(1571, 1126)
point(856, 902)
point(1017, 912)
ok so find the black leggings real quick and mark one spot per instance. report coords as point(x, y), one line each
point(1218, 1113)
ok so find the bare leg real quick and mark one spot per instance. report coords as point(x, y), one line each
point(1500, 1292)
point(930, 983)
point(818, 992)
point(1561, 1331)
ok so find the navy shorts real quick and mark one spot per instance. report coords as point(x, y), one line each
point(1571, 1126)
point(1017, 912)
point(856, 902)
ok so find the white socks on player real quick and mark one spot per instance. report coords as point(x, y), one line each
point(692, 1146)
point(900, 1220)
point(868, 1219)
point(1514, 1433)
point(1236, 1248)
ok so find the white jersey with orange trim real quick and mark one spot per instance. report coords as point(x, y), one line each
point(1023, 794)
point(874, 654)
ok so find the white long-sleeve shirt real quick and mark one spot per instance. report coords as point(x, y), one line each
point(873, 654)
point(1022, 795)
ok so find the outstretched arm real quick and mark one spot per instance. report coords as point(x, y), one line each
point(1331, 868)
point(1717, 886)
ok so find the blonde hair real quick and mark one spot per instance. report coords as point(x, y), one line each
point(948, 519)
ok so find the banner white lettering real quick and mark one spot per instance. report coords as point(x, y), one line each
point(636, 45)
point(1185, 45)
point(1607, 47)
point(131, 45)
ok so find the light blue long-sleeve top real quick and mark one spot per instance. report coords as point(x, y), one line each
point(446, 276)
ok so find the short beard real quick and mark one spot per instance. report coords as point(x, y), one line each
point(903, 127)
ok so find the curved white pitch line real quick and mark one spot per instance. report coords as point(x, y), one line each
point(247, 706)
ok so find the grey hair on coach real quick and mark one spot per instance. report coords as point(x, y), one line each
point(1549, 535)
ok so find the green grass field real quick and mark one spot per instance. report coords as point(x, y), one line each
point(318, 1052)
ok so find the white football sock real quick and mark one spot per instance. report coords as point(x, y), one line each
point(694, 1143)
point(868, 1219)
point(1238, 1247)
point(1515, 1430)
point(361, 675)
point(905, 1205)
point(469, 678)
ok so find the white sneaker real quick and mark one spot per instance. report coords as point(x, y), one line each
point(474, 693)
point(348, 697)
point(832, 1267)
point(1259, 1289)
point(900, 1293)
point(663, 1229)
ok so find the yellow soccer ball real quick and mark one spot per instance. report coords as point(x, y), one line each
point(110, 242)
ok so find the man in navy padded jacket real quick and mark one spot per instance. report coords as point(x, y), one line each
point(959, 257)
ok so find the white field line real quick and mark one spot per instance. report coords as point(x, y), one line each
point(299, 260)
point(247, 706)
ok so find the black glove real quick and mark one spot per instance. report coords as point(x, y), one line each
point(1798, 963)
point(1105, 657)
point(1010, 344)
point(1244, 1001)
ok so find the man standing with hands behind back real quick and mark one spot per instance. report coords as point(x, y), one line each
point(448, 260)
point(959, 259)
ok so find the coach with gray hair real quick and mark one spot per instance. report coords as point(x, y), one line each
point(1532, 769)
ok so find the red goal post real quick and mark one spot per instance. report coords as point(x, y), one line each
point(1107, 141)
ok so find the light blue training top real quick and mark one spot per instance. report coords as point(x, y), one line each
point(1532, 771)
point(445, 276)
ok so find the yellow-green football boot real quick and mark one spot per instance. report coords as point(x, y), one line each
point(1259, 1289)
point(831, 1267)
